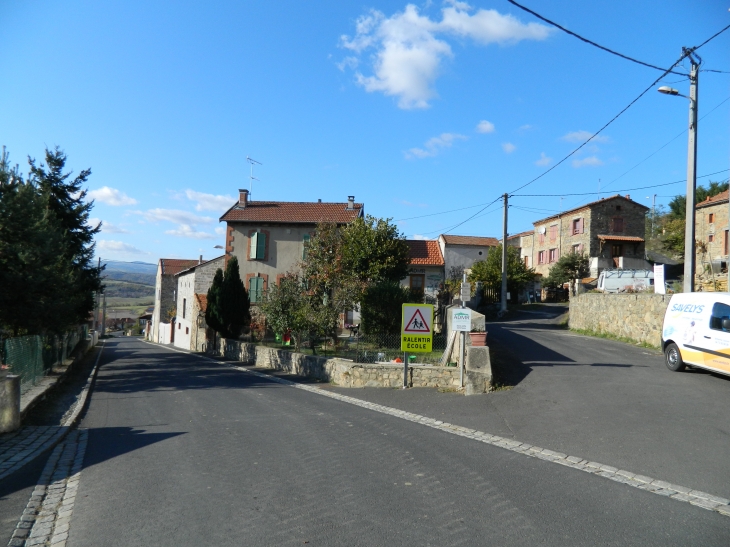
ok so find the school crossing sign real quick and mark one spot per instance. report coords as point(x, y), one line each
point(416, 328)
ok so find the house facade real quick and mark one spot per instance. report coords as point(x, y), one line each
point(610, 231)
point(270, 238)
point(426, 270)
point(524, 243)
point(461, 252)
point(711, 234)
point(166, 295)
point(192, 284)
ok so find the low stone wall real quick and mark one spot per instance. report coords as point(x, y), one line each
point(345, 373)
point(638, 317)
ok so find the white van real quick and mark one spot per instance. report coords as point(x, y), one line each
point(620, 280)
point(696, 331)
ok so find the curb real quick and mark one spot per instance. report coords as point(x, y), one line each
point(65, 428)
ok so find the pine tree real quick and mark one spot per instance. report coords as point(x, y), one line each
point(213, 307)
point(234, 304)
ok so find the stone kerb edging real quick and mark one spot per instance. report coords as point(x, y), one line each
point(345, 373)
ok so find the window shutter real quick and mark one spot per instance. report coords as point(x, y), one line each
point(261, 246)
point(254, 245)
point(305, 241)
point(254, 289)
point(580, 226)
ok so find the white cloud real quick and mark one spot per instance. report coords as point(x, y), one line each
point(408, 54)
point(185, 230)
point(220, 230)
point(485, 127)
point(582, 136)
point(111, 196)
point(525, 127)
point(591, 161)
point(106, 227)
point(111, 246)
point(544, 160)
point(434, 145)
point(174, 215)
point(420, 237)
point(210, 202)
point(508, 147)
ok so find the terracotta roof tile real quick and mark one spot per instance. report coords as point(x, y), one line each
point(470, 240)
point(714, 200)
point(202, 301)
point(186, 270)
point(621, 238)
point(587, 205)
point(292, 212)
point(172, 266)
point(527, 233)
point(424, 253)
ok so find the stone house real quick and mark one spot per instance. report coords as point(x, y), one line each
point(463, 251)
point(270, 238)
point(524, 242)
point(193, 283)
point(711, 230)
point(610, 231)
point(426, 270)
point(166, 293)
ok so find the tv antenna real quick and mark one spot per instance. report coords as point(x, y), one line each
point(252, 178)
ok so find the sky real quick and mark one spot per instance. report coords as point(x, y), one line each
point(425, 112)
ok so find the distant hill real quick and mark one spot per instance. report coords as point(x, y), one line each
point(134, 272)
point(124, 289)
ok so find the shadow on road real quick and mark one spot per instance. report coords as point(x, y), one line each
point(107, 443)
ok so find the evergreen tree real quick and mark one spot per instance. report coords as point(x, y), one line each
point(234, 303)
point(489, 270)
point(213, 308)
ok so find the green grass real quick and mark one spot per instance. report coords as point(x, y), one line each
point(609, 336)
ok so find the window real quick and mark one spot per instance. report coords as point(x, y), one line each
point(553, 232)
point(541, 239)
point(187, 330)
point(724, 244)
point(720, 314)
point(577, 226)
point(577, 249)
point(553, 255)
point(418, 283)
point(618, 224)
point(305, 245)
point(618, 207)
point(255, 289)
point(258, 246)
point(527, 261)
point(541, 257)
point(185, 305)
point(711, 218)
point(711, 238)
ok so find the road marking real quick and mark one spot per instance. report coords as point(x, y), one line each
point(655, 486)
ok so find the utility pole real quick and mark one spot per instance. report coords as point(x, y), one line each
point(96, 304)
point(689, 232)
point(503, 306)
point(103, 317)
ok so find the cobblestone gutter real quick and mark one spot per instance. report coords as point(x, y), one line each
point(345, 373)
point(638, 317)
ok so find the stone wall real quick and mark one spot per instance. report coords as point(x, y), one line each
point(638, 317)
point(345, 373)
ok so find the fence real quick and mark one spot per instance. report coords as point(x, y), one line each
point(32, 357)
point(369, 348)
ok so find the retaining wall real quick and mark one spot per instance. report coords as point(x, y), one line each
point(345, 373)
point(638, 317)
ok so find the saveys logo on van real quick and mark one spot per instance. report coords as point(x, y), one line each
point(680, 309)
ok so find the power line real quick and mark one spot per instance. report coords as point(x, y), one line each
point(621, 190)
point(587, 41)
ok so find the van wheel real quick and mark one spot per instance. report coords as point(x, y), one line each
point(673, 358)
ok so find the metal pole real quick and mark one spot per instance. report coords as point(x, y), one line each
point(96, 304)
point(503, 307)
point(103, 317)
point(462, 345)
point(689, 232)
point(405, 370)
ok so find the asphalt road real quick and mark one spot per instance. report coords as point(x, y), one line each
point(598, 399)
point(183, 451)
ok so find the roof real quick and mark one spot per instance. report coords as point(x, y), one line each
point(588, 205)
point(621, 238)
point(202, 301)
point(527, 233)
point(172, 266)
point(424, 252)
point(714, 200)
point(197, 263)
point(292, 212)
point(470, 240)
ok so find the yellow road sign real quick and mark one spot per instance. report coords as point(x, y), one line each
point(417, 328)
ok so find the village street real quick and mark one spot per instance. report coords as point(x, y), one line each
point(183, 450)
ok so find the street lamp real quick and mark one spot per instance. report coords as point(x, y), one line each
point(689, 230)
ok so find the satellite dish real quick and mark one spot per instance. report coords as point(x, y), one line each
point(542, 229)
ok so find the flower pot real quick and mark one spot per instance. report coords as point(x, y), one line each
point(478, 338)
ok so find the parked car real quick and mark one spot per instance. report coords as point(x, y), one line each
point(615, 281)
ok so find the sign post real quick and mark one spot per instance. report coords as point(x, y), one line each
point(659, 286)
point(416, 332)
point(461, 322)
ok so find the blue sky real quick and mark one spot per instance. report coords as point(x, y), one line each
point(415, 109)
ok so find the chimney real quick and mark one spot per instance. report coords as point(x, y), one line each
point(243, 198)
point(200, 260)
point(628, 196)
point(350, 202)
point(319, 200)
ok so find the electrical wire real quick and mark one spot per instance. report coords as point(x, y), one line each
point(587, 41)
